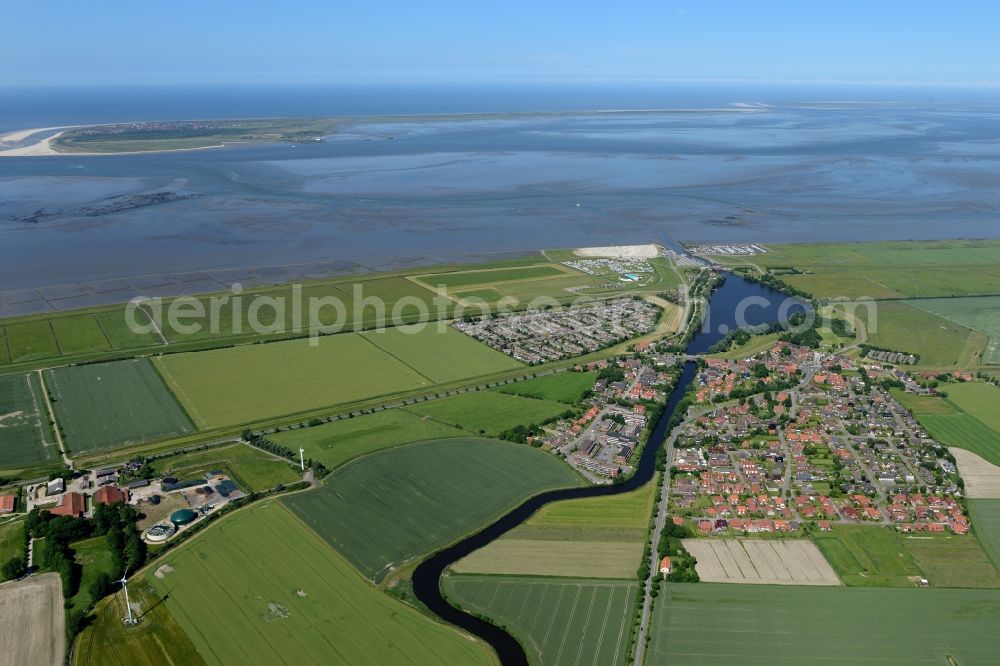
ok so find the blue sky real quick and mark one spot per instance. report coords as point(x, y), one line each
point(305, 41)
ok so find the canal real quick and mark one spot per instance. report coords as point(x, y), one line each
point(737, 302)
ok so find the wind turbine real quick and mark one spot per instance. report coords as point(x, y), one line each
point(128, 607)
point(302, 458)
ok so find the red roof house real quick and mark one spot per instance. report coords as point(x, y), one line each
point(665, 566)
point(70, 504)
point(110, 495)
point(8, 503)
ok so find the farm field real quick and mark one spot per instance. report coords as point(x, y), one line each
point(155, 641)
point(397, 295)
point(491, 276)
point(337, 442)
point(623, 517)
point(567, 387)
point(488, 412)
point(26, 439)
point(385, 509)
point(721, 623)
point(30, 341)
point(559, 621)
point(982, 478)
point(440, 354)
point(985, 516)
point(897, 269)
point(107, 405)
point(938, 342)
point(252, 468)
point(79, 334)
point(253, 382)
point(784, 562)
point(11, 539)
point(33, 630)
point(955, 420)
point(952, 561)
point(868, 556)
point(978, 313)
point(284, 596)
point(574, 559)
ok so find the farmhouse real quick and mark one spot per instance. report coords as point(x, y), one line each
point(70, 504)
point(7, 503)
point(665, 566)
point(110, 495)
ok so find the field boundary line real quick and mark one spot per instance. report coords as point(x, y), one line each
point(111, 346)
point(55, 421)
point(390, 354)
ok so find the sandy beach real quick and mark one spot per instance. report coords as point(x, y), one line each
point(44, 146)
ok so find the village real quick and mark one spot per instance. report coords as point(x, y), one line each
point(791, 438)
point(551, 335)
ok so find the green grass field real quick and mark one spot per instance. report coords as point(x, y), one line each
point(11, 539)
point(441, 355)
point(558, 621)
point(967, 418)
point(985, 516)
point(252, 468)
point(259, 587)
point(109, 405)
point(252, 382)
point(718, 623)
point(978, 313)
point(26, 439)
point(490, 277)
point(868, 556)
point(155, 641)
point(939, 342)
point(30, 341)
point(79, 334)
point(387, 508)
point(488, 412)
point(566, 387)
point(334, 444)
point(622, 517)
point(953, 561)
point(94, 558)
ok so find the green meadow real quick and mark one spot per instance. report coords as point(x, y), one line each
point(488, 412)
point(567, 387)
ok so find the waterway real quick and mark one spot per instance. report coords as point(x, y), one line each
point(758, 305)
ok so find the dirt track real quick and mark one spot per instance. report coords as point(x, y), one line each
point(33, 629)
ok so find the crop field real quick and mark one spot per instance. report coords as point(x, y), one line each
point(727, 624)
point(566, 387)
point(574, 559)
point(33, 628)
point(964, 431)
point(978, 399)
point(560, 622)
point(252, 468)
point(978, 313)
point(948, 422)
point(939, 342)
point(108, 405)
point(385, 509)
point(335, 443)
point(868, 556)
point(985, 516)
point(441, 355)
point(982, 478)
point(30, 341)
point(155, 641)
point(492, 276)
point(952, 561)
point(622, 517)
point(252, 382)
point(278, 594)
point(26, 439)
point(488, 412)
point(785, 562)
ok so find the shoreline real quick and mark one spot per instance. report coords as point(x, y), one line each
point(44, 146)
